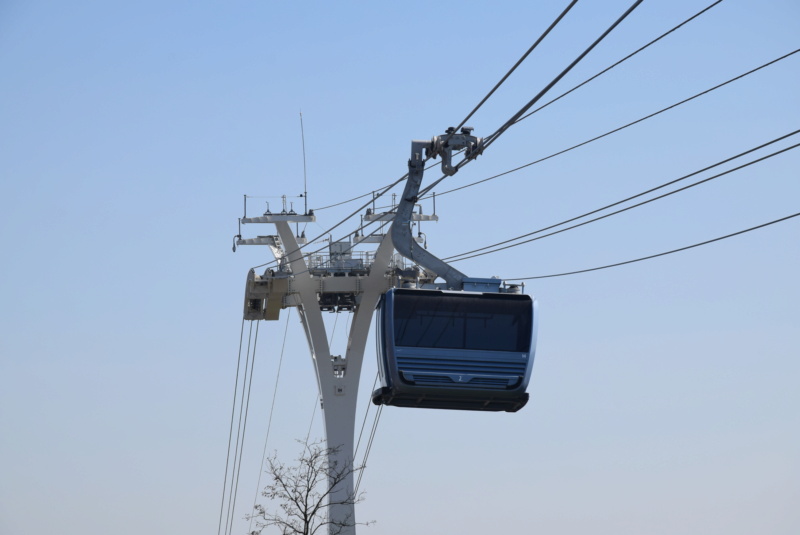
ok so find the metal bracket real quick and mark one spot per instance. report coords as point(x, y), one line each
point(401, 227)
point(339, 365)
point(443, 146)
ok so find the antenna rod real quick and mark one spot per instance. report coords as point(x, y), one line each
point(305, 181)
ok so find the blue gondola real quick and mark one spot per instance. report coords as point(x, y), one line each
point(455, 350)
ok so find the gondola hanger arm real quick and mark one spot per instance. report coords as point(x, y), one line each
point(401, 227)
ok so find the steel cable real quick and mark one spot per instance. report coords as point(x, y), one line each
point(517, 64)
point(632, 206)
point(604, 71)
point(244, 424)
point(684, 101)
point(271, 411)
point(495, 247)
point(369, 446)
point(493, 137)
point(497, 133)
point(659, 254)
point(230, 432)
point(626, 58)
point(238, 433)
point(366, 413)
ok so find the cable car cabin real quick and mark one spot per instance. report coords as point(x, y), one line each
point(455, 350)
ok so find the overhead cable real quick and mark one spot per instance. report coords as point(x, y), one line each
point(629, 207)
point(518, 117)
point(243, 411)
point(616, 64)
point(373, 191)
point(313, 415)
point(637, 121)
point(230, 432)
point(659, 254)
point(489, 94)
point(238, 429)
point(344, 202)
point(271, 412)
point(517, 64)
point(369, 445)
point(493, 137)
point(502, 129)
point(626, 58)
point(366, 413)
point(495, 247)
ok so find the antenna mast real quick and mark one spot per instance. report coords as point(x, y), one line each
point(305, 180)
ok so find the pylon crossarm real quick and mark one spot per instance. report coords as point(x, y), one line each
point(374, 285)
point(303, 284)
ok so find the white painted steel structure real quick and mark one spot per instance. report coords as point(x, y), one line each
point(341, 281)
point(296, 283)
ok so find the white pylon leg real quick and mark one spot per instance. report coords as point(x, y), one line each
point(339, 394)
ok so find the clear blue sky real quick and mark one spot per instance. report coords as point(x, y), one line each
point(664, 398)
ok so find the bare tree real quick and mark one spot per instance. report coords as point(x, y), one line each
point(302, 493)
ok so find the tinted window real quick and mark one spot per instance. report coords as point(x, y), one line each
point(483, 323)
